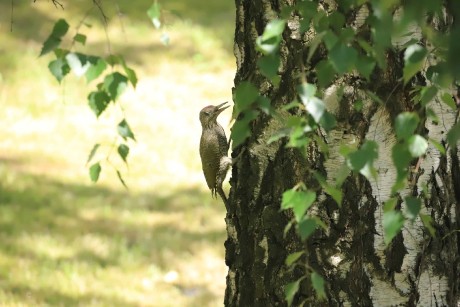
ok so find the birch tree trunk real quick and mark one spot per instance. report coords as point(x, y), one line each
point(416, 269)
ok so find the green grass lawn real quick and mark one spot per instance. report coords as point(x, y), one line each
point(67, 242)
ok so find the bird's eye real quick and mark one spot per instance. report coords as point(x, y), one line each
point(206, 113)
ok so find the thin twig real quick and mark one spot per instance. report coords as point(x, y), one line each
point(120, 18)
point(105, 24)
point(81, 23)
point(55, 2)
point(98, 5)
point(12, 5)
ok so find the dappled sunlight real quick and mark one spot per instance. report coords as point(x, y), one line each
point(68, 242)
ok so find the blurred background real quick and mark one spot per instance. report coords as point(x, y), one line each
point(67, 242)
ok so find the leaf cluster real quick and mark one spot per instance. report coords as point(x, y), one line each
point(111, 84)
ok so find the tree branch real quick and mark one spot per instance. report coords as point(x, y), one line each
point(55, 2)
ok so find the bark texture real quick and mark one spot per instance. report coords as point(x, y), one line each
point(416, 269)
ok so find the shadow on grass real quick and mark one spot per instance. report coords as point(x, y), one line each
point(97, 228)
point(55, 298)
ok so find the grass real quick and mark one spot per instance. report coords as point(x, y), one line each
point(67, 242)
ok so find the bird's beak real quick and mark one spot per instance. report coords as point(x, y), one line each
point(219, 108)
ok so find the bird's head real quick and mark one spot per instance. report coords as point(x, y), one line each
point(208, 115)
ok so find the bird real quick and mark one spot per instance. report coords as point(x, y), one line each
point(214, 150)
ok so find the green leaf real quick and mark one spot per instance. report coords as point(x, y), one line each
point(125, 131)
point(269, 41)
point(306, 90)
point(306, 227)
point(317, 282)
point(97, 66)
point(431, 115)
point(59, 30)
point(265, 105)
point(59, 68)
point(60, 53)
point(154, 13)
point(405, 124)
point(291, 258)
point(289, 198)
point(347, 35)
point(240, 130)
point(365, 65)
point(78, 63)
point(290, 291)
point(382, 27)
point(335, 193)
point(123, 151)
point(390, 204)
point(438, 146)
point(374, 97)
point(327, 121)
point(113, 59)
point(81, 38)
point(313, 45)
point(115, 84)
point(121, 179)
point(358, 105)
point(320, 21)
point(393, 221)
point(297, 138)
point(269, 66)
point(307, 10)
point(427, 94)
point(417, 145)
point(428, 223)
point(362, 160)
point(245, 94)
point(98, 102)
point(414, 58)
point(343, 58)
point(92, 152)
point(330, 40)
point(299, 201)
point(314, 105)
point(293, 104)
point(401, 156)
point(287, 228)
point(439, 74)
point(336, 20)
point(94, 172)
point(131, 74)
point(413, 206)
point(279, 135)
point(325, 73)
point(453, 136)
point(366, 46)
point(342, 174)
point(449, 101)
point(401, 181)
